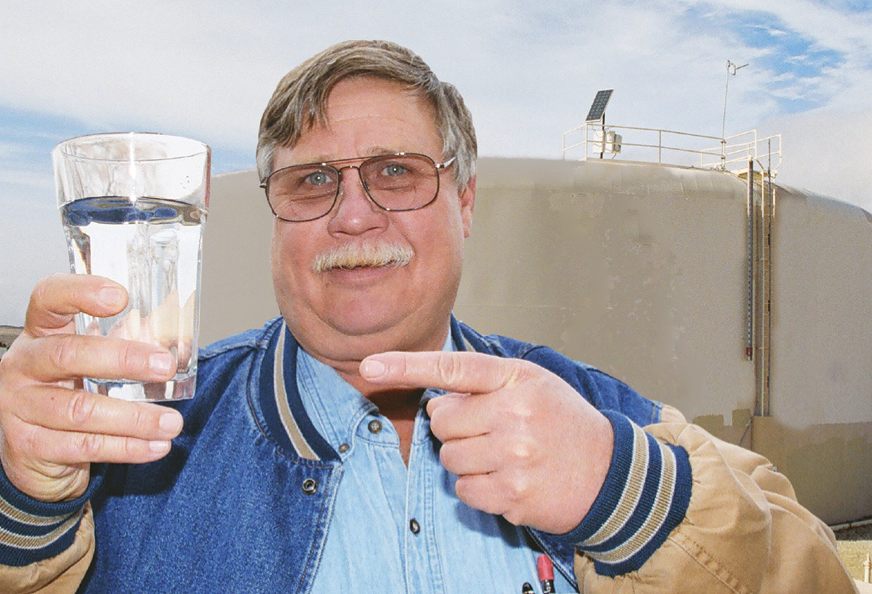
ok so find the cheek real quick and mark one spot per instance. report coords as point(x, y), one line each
point(288, 262)
point(276, 262)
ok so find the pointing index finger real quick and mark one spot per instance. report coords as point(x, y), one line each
point(471, 373)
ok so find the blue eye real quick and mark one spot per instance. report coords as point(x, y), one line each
point(394, 169)
point(318, 178)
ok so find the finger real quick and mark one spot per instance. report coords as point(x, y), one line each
point(62, 409)
point(57, 298)
point(70, 448)
point(68, 356)
point(469, 456)
point(482, 492)
point(457, 416)
point(452, 371)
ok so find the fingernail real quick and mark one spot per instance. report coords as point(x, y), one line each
point(159, 447)
point(372, 368)
point(170, 422)
point(160, 362)
point(111, 296)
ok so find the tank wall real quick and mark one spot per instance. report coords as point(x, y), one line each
point(236, 285)
point(821, 311)
point(637, 269)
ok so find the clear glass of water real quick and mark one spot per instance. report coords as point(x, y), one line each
point(133, 206)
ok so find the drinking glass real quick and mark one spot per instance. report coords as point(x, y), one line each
point(133, 206)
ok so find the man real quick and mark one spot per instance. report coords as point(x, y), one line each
point(366, 439)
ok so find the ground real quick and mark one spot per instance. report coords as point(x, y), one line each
point(853, 545)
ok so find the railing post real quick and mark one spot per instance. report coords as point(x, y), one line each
point(660, 147)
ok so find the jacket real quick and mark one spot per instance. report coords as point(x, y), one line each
point(243, 501)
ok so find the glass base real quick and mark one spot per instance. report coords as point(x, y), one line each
point(180, 388)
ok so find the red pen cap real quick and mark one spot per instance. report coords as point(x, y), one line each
point(545, 568)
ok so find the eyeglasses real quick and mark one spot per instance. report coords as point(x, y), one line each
point(404, 181)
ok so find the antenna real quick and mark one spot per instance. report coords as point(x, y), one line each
point(731, 71)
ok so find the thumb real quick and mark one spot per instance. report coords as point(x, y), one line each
point(57, 298)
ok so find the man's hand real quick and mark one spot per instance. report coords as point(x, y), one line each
point(50, 429)
point(523, 443)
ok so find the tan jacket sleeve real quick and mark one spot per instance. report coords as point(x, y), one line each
point(59, 575)
point(744, 532)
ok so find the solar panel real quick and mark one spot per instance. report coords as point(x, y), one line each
point(598, 108)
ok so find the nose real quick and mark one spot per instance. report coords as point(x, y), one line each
point(355, 213)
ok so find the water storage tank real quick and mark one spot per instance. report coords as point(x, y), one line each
point(643, 271)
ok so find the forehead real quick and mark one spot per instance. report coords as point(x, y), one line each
point(366, 116)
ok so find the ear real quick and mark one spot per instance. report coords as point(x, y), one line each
point(467, 205)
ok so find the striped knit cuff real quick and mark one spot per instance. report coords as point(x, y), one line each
point(644, 497)
point(32, 530)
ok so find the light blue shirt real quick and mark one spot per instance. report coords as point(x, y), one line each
point(398, 529)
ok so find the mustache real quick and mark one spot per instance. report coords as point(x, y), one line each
point(353, 255)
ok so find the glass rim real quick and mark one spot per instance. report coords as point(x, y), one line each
point(196, 147)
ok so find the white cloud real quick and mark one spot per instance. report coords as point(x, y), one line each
point(527, 70)
point(828, 152)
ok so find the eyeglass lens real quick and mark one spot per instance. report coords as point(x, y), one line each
point(393, 182)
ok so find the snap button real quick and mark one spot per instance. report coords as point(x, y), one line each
point(344, 448)
point(374, 426)
point(310, 485)
point(414, 526)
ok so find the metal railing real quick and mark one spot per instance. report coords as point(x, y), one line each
point(7, 335)
point(671, 147)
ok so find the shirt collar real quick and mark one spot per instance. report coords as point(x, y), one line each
point(333, 405)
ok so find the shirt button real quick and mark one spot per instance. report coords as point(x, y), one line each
point(414, 526)
point(374, 426)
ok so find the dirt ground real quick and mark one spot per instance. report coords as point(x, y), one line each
point(853, 545)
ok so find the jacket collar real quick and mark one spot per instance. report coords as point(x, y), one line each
point(292, 430)
point(286, 419)
point(283, 412)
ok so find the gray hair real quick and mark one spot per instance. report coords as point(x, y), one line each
point(299, 102)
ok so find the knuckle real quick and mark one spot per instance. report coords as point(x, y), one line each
point(128, 357)
point(523, 410)
point(128, 447)
point(8, 365)
point(514, 517)
point(65, 353)
point(42, 289)
point(448, 368)
point(446, 456)
point(19, 438)
point(80, 408)
point(522, 451)
point(90, 445)
point(142, 421)
point(517, 488)
point(463, 490)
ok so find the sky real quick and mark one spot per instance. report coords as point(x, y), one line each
point(527, 70)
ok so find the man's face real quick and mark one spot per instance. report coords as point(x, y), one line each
point(342, 315)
